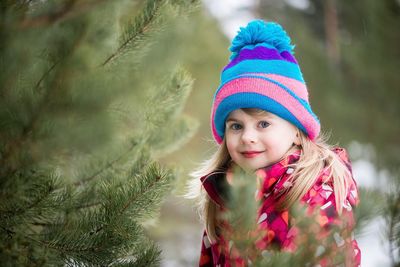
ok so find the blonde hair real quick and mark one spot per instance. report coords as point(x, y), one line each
point(206, 207)
point(315, 157)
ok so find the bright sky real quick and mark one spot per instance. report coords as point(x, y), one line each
point(231, 14)
point(237, 13)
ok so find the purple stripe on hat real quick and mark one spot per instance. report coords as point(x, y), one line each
point(261, 52)
point(289, 57)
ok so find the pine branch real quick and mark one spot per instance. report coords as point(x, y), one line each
point(139, 161)
point(186, 7)
point(170, 99)
point(392, 216)
point(63, 248)
point(81, 243)
point(368, 208)
point(142, 194)
point(107, 166)
point(150, 257)
point(38, 194)
point(10, 233)
point(176, 133)
point(136, 33)
point(44, 76)
point(166, 129)
point(15, 145)
point(243, 221)
point(69, 9)
point(127, 202)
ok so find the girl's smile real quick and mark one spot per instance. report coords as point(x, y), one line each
point(251, 154)
point(257, 139)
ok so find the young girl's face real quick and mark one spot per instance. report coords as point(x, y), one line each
point(258, 140)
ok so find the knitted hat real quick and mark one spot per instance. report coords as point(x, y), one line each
point(263, 73)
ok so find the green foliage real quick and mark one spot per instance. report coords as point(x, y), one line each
point(369, 207)
point(313, 243)
point(392, 217)
point(81, 126)
point(242, 220)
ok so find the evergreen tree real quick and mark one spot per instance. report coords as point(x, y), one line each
point(81, 128)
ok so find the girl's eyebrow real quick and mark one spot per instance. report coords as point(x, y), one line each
point(266, 115)
point(231, 119)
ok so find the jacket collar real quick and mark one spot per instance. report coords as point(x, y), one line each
point(216, 184)
point(275, 176)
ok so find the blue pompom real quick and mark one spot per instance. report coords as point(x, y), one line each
point(260, 32)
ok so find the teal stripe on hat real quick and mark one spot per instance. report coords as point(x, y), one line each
point(252, 100)
point(280, 67)
point(304, 103)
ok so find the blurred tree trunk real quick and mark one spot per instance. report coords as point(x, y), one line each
point(331, 30)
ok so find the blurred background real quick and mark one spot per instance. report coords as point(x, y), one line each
point(94, 93)
point(348, 52)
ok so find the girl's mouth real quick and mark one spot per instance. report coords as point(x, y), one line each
point(251, 154)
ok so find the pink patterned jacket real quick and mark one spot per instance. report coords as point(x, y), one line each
point(279, 227)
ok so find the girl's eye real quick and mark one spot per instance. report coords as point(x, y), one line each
point(235, 126)
point(263, 124)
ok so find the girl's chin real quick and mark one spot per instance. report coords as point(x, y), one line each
point(256, 166)
point(253, 167)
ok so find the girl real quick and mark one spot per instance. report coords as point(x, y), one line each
point(262, 120)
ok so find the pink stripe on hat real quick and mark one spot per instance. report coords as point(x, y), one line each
point(295, 86)
point(271, 90)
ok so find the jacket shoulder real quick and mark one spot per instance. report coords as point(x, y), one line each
point(215, 186)
point(344, 157)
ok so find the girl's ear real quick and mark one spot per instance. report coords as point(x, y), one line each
point(297, 138)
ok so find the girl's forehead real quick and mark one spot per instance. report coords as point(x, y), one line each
point(254, 112)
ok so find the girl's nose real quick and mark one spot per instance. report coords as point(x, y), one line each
point(249, 136)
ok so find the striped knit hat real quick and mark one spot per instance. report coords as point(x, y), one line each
point(263, 73)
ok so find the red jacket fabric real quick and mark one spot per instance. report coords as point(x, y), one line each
point(278, 227)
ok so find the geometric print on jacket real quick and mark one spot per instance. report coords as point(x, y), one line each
point(279, 227)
